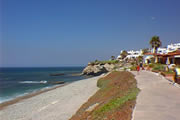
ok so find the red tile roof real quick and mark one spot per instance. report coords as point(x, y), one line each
point(152, 54)
point(177, 52)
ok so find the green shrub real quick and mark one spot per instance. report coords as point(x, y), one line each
point(96, 62)
point(109, 61)
point(169, 72)
point(151, 65)
point(145, 65)
point(158, 67)
point(133, 68)
point(133, 63)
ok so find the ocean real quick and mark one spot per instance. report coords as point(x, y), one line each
point(15, 82)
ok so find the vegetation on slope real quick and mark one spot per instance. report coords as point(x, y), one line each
point(115, 99)
point(96, 62)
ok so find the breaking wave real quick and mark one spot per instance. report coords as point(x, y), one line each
point(33, 82)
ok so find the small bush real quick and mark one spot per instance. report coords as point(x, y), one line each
point(151, 65)
point(169, 72)
point(133, 63)
point(133, 68)
point(109, 62)
point(158, 67)
point(145, 65)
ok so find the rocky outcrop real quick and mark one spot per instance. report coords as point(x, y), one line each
point(98, 69)
point(94, 70)
point(109, 67)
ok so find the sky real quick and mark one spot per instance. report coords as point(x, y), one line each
point(50, 33)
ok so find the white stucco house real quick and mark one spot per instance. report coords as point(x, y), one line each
point(134, 54)
point(162, 51)
point(173, 47)
point(131, 54)
point(169, 48)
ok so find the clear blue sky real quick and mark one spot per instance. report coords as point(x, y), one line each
point(74, 32)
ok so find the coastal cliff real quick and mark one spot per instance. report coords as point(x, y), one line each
point(97, 68)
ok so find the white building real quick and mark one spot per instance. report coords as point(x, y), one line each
point(131, 54)
point(165, 50)
point(162, 50)
point(169, 48)
point(173, 47)
point(134, 54)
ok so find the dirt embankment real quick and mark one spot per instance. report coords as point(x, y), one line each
point(114, 101)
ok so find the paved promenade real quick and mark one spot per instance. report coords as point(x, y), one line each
point(158, 99)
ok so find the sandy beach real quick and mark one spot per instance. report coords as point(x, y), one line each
point(59, 103)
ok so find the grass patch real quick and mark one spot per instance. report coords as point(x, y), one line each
point(102, 83)
point(117, 102)
point(169, 72)
point(158, 67)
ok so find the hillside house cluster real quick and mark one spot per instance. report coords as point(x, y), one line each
point(165, 55)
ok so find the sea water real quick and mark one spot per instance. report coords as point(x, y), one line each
point(16, 82)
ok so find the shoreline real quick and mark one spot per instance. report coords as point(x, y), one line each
point(29, 95)
point(59, 102)
point(34, 93)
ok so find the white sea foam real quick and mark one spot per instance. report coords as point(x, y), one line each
point(4, 100)
point(32, 82)
point(8, 98)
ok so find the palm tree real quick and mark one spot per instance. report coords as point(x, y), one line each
point(155, 43)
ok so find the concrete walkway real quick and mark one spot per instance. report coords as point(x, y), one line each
point(158, 99)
